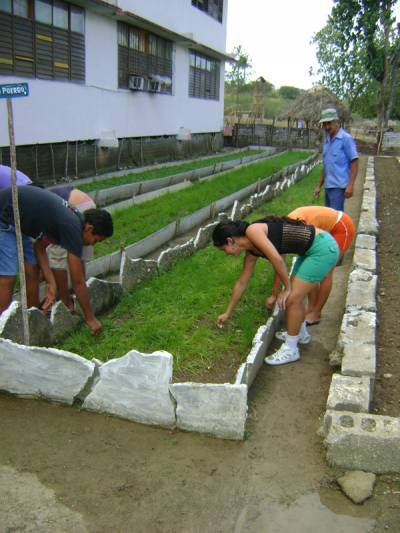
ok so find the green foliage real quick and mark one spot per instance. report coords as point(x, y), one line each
point(139, 221)
point(289, 92)
point(359, 49)
point(163, 171)
point(177, 311)
point(239, 71)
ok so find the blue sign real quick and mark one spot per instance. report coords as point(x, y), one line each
point(14, 90)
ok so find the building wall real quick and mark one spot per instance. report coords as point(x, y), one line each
point(182, 17)
point(57, 111)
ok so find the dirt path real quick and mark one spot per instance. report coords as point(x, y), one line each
point(65, 470)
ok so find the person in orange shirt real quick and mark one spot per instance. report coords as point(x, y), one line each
point(341, 227)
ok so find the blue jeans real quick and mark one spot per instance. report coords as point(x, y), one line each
point(334, 198)
point(8, 250)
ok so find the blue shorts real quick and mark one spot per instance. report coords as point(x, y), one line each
point(8, 250)
point(334, 198)
point(318, 260)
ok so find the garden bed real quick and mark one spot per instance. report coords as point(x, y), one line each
point(163, 171)
point(137, 222)
point(177, 311)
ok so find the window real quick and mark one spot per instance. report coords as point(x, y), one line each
point(146, 55)
point(203, 76)
point(42, 39)
point(214, 8)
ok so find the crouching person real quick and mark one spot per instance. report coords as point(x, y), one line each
point(43, 214)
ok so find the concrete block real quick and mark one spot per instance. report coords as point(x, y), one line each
point(63, 321)
point(263, 338)
point(11, 326)
point(367, 224)
point(367, 242)
point(361, 292)
point(348, 393)
point(103, 294)
point(135, 271)
point(204, 235)
point(241, 375)
point(42, 372)
point(136, 387)
point(364, 258)
point(359, 360)
point(358, 441)
point(216, 409)
point(358, 328)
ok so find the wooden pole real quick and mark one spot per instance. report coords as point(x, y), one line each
point(17, 223)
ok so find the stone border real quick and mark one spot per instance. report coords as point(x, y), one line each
point(139, 386)
point(354, 438)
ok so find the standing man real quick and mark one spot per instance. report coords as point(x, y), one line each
point(340, 162)
point(46, 214)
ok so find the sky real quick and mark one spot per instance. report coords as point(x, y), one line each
point(276, 35)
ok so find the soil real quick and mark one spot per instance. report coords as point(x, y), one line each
point(387, 384)
point(65, 470)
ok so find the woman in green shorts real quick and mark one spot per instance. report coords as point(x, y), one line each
point(270, 238)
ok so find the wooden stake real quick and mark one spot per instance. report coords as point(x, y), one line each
point(17, 223)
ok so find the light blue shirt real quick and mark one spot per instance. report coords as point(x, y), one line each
point(338, 154)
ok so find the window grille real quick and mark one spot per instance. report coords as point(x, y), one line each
point(42, 39)
point(203, 76)
point(143, 54)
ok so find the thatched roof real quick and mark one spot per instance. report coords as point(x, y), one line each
point(308, 106)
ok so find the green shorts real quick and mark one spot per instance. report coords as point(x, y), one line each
point(319, 259)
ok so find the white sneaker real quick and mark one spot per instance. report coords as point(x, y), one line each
point(304, 339)
point(283, 356)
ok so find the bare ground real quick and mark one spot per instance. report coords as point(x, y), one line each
point(67, 470)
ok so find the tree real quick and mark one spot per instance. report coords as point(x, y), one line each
point(239, 71)
point(341, 66)
point(289, 92)
point(363, 33)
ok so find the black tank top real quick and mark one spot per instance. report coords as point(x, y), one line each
point(289, 238)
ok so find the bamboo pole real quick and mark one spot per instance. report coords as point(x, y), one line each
point(17, 223)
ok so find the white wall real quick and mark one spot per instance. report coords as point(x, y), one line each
point(181, 17)
point(57, 111)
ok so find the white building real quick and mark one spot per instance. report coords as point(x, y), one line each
point(103, 70)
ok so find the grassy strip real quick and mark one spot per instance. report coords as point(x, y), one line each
point(137, 222)
point(177, 311)
point(162, 172)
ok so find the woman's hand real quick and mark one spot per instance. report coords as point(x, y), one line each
point(282, 298)
point(271, 301)
point(222, 319)
point(50, 297)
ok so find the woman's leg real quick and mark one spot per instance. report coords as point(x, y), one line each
point(318, 299)
point(295, 310)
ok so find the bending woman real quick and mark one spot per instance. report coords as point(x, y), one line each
point(270, 238)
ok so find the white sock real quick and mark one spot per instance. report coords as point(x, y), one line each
point(291, 341)
point(303, 329)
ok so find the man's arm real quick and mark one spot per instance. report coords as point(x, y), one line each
point(51, 286)
point(317, 190)
point(348, 193)
point(79, 285)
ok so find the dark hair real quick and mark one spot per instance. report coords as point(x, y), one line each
point(101, 221)
point(224, 230)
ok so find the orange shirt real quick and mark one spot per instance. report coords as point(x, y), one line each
point(321, 217)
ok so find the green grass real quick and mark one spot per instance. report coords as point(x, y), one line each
point(134, 223)
point(164, 171)
point(177, 310)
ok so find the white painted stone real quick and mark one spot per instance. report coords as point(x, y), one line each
point(366, 241)
point(235, 213)
point(204, 235)
point(63, 321)
point(11, 325)
point(215, 409)
point(134, 271)
point(103, 294)
point(348, 393)
point(136, 387)
point(42, 372)
point(364, 258)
